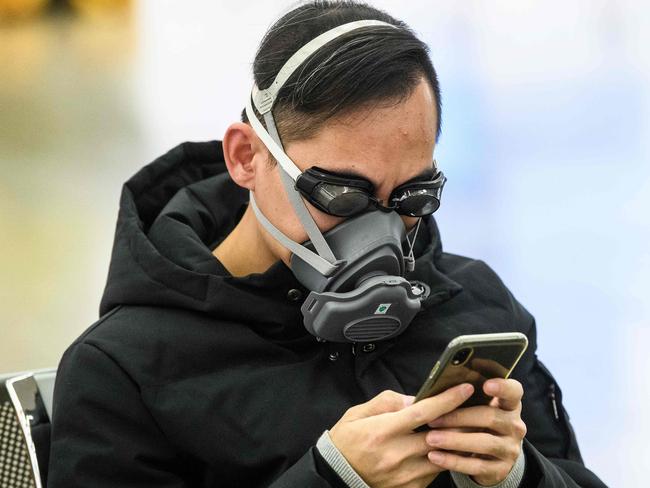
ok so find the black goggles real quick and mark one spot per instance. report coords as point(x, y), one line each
point(345, 197)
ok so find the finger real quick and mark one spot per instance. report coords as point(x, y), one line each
point(387, 401)
point(484, 417)
point(490, 471)
point(504, 448)
point(413, 444)
point(509, 392)
point(428, 409)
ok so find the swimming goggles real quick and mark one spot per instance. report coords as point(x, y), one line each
point(344, 196)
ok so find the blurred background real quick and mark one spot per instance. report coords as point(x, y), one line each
point(545, 144)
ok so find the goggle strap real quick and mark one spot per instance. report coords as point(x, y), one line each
point(313, 259)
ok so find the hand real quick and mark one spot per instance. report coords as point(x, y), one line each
point(494, 442)
point(378, 441)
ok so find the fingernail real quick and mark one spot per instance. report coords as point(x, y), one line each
point(436, 457)
point(408, 400)
point(436, 423)
point(491, 388)
point(434, 438)
point(467, 390)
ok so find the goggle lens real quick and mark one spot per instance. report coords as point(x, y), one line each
point(345, 200)
point(341, 201)
point(418, 204)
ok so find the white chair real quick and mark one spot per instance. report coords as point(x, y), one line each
point(25, 412)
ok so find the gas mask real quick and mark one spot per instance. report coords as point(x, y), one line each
point(355, 272)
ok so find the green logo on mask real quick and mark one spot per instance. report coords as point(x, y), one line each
point(382, 308)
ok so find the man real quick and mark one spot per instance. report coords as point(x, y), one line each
point(213, 365)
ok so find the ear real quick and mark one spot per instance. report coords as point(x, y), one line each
point(243, 152)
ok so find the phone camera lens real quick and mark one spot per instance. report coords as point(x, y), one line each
point(461, 356)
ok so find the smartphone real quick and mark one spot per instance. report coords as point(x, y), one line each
point(26, 428)
point(474, 359)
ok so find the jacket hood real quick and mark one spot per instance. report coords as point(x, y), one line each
point(176, 210)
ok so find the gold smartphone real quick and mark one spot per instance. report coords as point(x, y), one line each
point(474, 359)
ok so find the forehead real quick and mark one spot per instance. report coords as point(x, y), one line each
point(385, 143)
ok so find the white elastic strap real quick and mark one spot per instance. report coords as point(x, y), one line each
point(322, 248)
point(290, 169)
point(314, 260)
point(264, 99)
point(278, 153)
point(410, 259)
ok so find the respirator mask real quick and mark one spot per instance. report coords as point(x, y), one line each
point(355, 272)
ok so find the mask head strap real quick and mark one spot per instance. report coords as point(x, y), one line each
point(324, 261)
point(265, 99)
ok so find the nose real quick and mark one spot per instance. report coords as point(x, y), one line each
point(382, 196)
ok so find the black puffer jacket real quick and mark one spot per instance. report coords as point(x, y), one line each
point(195, 378)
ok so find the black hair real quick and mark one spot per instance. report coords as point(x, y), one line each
point(371, 65)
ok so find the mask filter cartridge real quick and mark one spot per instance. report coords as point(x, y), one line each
point(367, 299)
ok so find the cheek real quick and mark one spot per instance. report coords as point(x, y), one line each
point(274, 204)
point(324, 221)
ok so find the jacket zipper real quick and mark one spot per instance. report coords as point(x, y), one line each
point(551, 394)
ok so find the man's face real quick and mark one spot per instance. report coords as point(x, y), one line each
point(387, 146)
